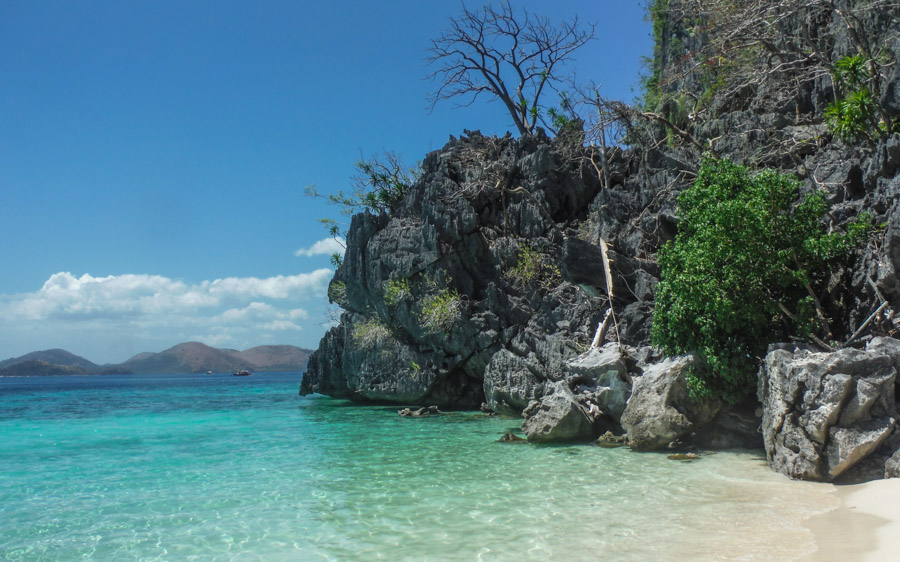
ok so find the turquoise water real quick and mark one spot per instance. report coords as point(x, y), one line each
point(214, 467)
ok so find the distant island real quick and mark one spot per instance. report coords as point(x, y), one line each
point(191, 357)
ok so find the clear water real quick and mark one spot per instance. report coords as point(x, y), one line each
point(215, 467)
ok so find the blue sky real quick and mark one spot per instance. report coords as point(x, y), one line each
point(154, 155)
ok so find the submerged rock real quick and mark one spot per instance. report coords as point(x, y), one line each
point(688, 457)
point(511, 438)
point(419, 412)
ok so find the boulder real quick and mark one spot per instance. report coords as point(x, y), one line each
point(600, 377)
point(849, 445)
point(660, 409)
point(823, 413)
point(557, 417)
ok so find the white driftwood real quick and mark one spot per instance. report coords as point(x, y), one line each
point(602, 327)
point(604, 254)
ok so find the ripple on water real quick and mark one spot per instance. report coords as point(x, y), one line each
point(252, 471)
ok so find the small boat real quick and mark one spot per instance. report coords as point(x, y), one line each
point(209, 372)
point(242, 373)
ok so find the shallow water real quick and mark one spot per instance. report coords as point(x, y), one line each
point(220, 467)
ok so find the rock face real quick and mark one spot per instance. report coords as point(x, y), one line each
point(480, 286)
point(826, 412)
point(486, 283)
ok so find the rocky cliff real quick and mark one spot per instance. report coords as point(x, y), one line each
point(488, 282)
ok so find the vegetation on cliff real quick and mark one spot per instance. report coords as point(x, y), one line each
point(744, 271)
point(791, 101)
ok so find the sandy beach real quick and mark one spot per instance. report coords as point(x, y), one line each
point(866, 525)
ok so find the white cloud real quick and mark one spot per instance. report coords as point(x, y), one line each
point(238, 311)
point(324, 247)
point(65, 296)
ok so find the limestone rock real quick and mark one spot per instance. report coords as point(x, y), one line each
point(825, 412)
point(557, 417)
point(511, 382)
point(600, 376)
point(849, 445)
point(660, 409)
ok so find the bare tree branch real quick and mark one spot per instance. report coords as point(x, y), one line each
point(507, 53)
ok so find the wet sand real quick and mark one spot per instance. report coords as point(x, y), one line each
point(866, 525)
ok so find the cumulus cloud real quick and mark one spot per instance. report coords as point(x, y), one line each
point(324, 247)
point(233, 310)
point(65, 296)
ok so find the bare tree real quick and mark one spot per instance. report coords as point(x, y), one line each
point(512, 55)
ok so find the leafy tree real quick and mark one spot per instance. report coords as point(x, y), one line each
point(509, 54)
point(741, 273)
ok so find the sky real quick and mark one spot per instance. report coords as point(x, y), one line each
point(154, 155)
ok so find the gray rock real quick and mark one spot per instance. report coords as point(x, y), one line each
point(511, 382)
point(601, 376)
point(892, 466)
point(849, 445)
point(557, 417)
point(818, 408)
point(660, 409)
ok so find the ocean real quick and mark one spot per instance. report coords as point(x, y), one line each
point(216, 467)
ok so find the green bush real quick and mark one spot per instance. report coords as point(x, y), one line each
point(370, 333)
point(441, 309)
point(738, 274)
point(395, 290)
point(532, 267)
point(852, 114)
point(337, 293)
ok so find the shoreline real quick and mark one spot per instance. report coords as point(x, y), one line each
point(865, 526)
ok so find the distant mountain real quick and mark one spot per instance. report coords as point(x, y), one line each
point(54, 357)
point(189, 357)
point(196, 357)
point(36, 368)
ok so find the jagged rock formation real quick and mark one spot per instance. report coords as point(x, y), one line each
point(487, 283)
point(826, 414)
point(487, 240)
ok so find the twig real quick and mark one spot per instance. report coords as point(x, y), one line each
point(866, 323)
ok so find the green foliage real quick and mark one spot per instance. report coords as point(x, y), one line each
point(735, 278)
point(370, 333)
point(533, 267)
point(337, 293)
point(396, 290)
point(657, 15)
point(379, 186)
point(853, 117)
point(441, 310)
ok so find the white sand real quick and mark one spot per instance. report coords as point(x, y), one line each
point(866, 526)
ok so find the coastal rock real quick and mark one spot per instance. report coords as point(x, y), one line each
point(892, 466)
point(825, 412)
point(600, 377)
point(557, 417)
point(849, 445)
point(610, 440)
point(423, 412)
point(511, 382)
point(660, 410)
